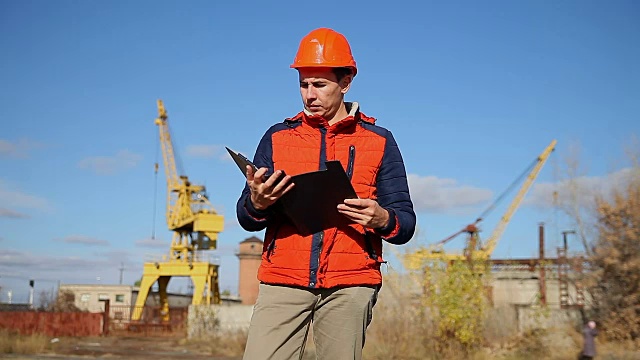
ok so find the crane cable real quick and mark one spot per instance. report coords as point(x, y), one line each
point(155, 190)
point(495, 203)
point(508, 190)
point(176, 154)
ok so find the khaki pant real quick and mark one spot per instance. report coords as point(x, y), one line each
point(282, 315)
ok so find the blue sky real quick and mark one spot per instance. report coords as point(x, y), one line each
point(472, 91)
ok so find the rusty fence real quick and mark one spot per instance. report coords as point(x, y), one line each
point(52, 323)
point(150, 320)
point(117, 322)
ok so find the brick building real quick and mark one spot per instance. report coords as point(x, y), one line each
point(249, 253)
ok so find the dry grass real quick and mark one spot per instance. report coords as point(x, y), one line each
point(14, 343)
point(402, 330)
point(230, 343)
point(399, 333)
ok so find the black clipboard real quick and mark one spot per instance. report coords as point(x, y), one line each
point(241, 160)
point(312, 204)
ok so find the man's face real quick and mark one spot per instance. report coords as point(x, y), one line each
point(322, 95)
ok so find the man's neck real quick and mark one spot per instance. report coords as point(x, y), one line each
point(339, 115)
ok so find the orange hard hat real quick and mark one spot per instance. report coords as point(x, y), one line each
point(324, 47)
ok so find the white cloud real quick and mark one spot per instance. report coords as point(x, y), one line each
point(208, 152)
point(122, 257)
point(583, 189)
point(19, 149)
point(99, 266)
point(109, 165)
point(83, 240)
point(11, 260)
point(433, 194)
point(152, 243)
point(205, 151)
point(54, 269)
point(12, 197)
point(8, 213)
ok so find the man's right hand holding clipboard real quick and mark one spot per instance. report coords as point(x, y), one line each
point(265, 191)
point(265, 188)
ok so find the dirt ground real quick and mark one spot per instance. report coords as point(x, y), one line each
point(121, 347)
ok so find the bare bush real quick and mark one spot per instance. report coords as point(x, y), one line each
point(607, 220)
point(222, 343)
point(614, 282)
point(65, 302)
point(46, 300)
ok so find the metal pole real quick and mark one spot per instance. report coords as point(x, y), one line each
point(121, 270)
point(105, 317)
point(564, 240)
point(31, 290)
point(543, 285)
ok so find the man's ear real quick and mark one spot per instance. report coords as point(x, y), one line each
point(345, 83)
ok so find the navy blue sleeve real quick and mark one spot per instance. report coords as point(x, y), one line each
point(393, 195)
point(249, 217)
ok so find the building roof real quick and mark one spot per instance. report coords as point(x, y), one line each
point(252, 239)
point(95, 286)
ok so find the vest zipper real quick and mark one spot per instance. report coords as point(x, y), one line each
point(318, 238)
point(352, 158)
point(272, 246)
point(371, 252)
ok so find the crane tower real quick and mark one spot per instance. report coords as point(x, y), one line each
point(195, 225)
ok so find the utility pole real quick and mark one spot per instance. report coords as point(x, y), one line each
point(31, 289)
point(563, 270)
point(564, 238)
point(121, 271)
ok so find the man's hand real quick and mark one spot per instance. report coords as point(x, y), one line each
point(266, 193)
point(365, 212)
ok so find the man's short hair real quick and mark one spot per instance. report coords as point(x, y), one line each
point(341, 72)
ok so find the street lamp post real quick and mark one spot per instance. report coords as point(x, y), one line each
point(564, 238)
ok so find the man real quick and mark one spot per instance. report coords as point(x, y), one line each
point(329, 279)
point(589, 348)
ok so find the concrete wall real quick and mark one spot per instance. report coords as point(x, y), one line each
point(206, 320)
point(523, 288)
point(234, 318)
point(529, 318)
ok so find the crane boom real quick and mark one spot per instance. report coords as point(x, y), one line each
point(168, 155)
point(506, 218)
point(473, 250)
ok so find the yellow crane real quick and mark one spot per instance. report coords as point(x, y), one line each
point(195, 225)
point(474, 250)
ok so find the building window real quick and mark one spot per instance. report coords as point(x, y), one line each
point(120, 298)
point(103, 297)
point(85, 298)
point(119, 315)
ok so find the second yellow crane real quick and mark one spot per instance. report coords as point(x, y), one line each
point(474, 250)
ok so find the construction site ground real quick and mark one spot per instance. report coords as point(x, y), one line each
point(122, 347)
